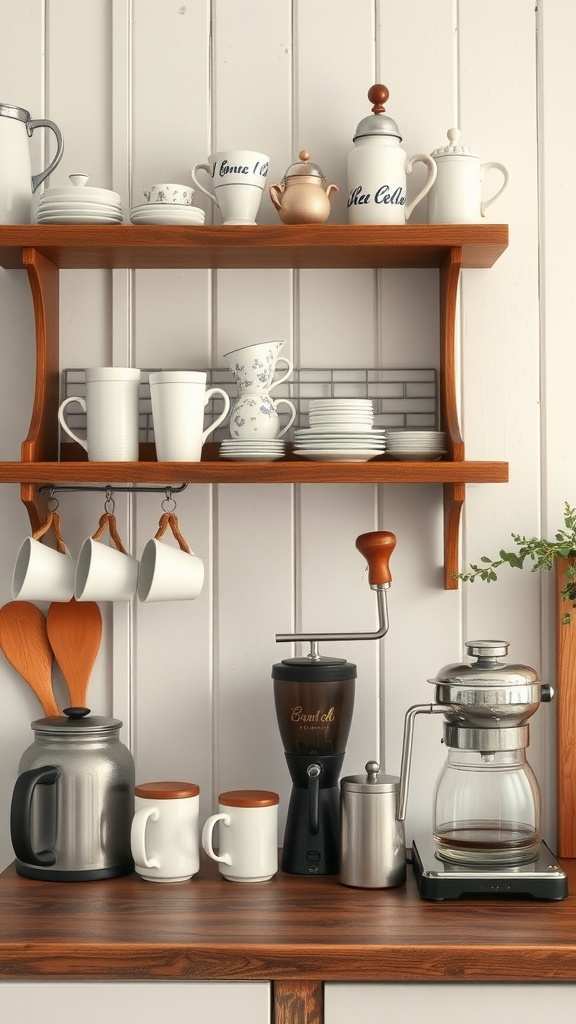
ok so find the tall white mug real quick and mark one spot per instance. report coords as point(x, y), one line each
point(238, 177)
point(247, 822)
point(178, 401)
point(164, 834)
point(111, 407)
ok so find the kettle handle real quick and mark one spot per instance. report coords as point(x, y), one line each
point(37, 179)
point(20, 812)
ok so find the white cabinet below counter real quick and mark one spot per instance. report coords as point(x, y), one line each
point(147, 1002)
point(435, 1002)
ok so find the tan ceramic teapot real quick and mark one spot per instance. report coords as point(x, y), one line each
point(303, 197)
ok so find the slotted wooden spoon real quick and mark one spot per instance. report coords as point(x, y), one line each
point(75, 632)
point(24, 640)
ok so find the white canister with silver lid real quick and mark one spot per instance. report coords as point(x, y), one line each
point(456, 195)
point(373, 845)
point(377, 169)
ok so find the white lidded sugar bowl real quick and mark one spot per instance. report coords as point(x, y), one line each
point(377, 169)
point(456, 195)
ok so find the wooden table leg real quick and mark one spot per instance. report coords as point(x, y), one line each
point(297, 1002)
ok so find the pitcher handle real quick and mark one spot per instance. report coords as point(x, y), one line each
point(486, 167)
point(223, 414)
point(37, 179)
point(421, 158)
point(292, 407)
point(203, 167)
point(289, 371)
point(21, 810)
point(64, 425)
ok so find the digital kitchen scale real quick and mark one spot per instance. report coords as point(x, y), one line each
point(540, 879)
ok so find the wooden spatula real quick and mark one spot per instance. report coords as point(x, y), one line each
point(24, 640)
point(75, 632)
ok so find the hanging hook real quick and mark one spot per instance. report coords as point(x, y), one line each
point(109, 503)
point(168, 504)
point(53, 502)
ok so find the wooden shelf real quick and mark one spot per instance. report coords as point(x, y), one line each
point(300, 246)
point(45, 250)
point(294, 931)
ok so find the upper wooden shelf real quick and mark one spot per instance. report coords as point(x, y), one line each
point(301, 246)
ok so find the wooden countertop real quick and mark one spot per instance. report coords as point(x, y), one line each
point(308, 929)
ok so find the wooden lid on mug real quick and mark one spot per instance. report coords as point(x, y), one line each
point(166, 790)
point(248, 798)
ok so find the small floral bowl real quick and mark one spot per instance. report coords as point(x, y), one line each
point(169, 195)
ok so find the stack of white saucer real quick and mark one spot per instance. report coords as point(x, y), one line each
point(79, 204)
point(252, 449)
point(416, 445)
point(341, 430)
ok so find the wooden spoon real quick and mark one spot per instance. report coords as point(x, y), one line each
point(75, 632)
point(24, 640)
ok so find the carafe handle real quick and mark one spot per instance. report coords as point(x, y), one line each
point(37, 179)
point(421, 158)
point(20, 814)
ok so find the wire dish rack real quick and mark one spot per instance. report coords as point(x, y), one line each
point(402, 398)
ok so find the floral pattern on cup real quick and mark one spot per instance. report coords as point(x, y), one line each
point(256, 416)
point(253, 367)
point(181, 195)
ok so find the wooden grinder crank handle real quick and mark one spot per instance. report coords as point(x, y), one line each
point(377, 548)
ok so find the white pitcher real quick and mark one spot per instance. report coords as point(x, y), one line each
point(456, 196)
point(17, 183)
point(377, 169)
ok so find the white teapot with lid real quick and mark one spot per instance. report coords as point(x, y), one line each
point(456, 196)
point(377, 169)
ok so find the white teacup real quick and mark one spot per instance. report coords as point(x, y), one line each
point(103, 572)
point(253, 366)
point(167, 573)
point(164, 833)
point(111, 407)
point(256, 416)
point(247, 822)
point(238, 177)
point(181, 195)
point(178, 401)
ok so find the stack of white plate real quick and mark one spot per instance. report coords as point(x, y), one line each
point(338, 445)
point(167, 213)
point(416, 445)
point(79, 204)
point(256, 449)
point(341, 414)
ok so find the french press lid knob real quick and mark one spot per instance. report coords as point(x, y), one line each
point(378, 123)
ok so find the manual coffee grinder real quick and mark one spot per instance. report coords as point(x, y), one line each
point(314, 697)
point(486, 836)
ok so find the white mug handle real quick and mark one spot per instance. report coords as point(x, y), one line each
point(421, 158)
point(64, 425)
point(138, 837)
point(486, 167)
point(282, 359)
point(204, 167)
point(223, 414)
point(207, 838)
point(285, 401)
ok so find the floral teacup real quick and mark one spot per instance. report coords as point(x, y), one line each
point(256, 416)
point(253, 367)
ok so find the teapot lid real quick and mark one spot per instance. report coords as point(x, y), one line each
point(303, 167)
point(487, 670)
point(378, 123)
point(454, 148)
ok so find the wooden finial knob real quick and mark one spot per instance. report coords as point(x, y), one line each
point(377, 548)
point(304, 155)
point(378, 95)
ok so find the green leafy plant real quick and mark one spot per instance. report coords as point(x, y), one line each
point(538, 551)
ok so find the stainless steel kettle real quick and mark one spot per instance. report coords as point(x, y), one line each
point(73, 802)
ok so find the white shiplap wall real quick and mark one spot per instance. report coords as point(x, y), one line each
point(142, 90)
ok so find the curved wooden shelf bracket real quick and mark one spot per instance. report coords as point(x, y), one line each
point(453, 493)
point(41, 444)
